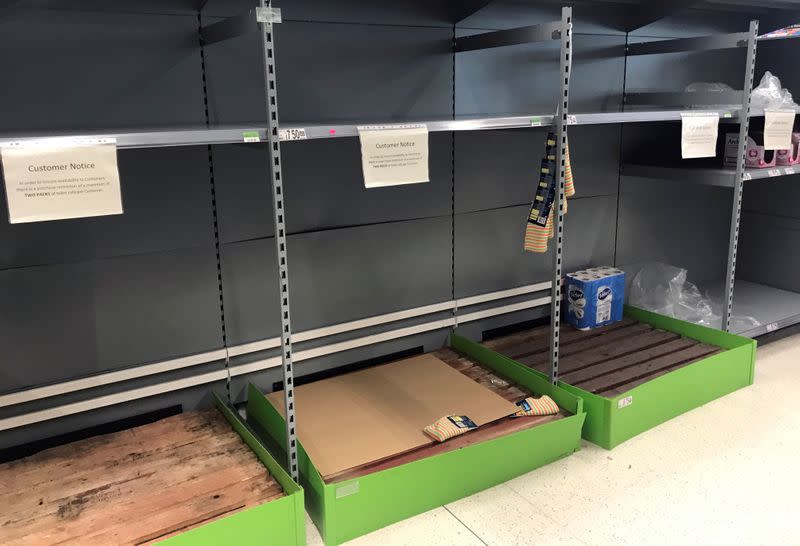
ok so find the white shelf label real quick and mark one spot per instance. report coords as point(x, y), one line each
point(699, 134)
point(747, 176)
point(625, 402)
point(61, 178)
point(774, 172)
point(347, 490)
point(772, 327)
point(251, 136)
point(292, 134)
point(268, 15)
point(572, 120)
point(778, 125)
point(789, 170)
point(392, 155)
point(536, 122)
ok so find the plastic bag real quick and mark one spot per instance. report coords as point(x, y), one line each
point(770, 94)
point(663, 289)
point(712, 87)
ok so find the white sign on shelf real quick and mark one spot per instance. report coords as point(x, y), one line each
point(699, 132)
point(392, 155)
point(774, 172)
point(778, 125)
point(789, 170)
point(61, 178)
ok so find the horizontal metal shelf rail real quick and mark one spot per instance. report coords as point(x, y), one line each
point(243, 134)
point(464, 313)
point(700, 43)
point(160, 138)
point(685, 98)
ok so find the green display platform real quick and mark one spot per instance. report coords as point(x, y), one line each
point(348, 509)
point(280, 522)
point(611, 421)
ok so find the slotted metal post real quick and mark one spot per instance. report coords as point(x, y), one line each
point(744, 125)
point(267, 17)
point(558, 204)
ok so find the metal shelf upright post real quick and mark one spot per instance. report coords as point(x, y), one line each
point(562, 111)
point(736, 211)
point(263, 18)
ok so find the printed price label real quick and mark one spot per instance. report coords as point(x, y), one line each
point(536, 122)
point(572, 120)
point(789, 170)
point(292, 134)
point(747, 176)
point(625, 402)
point(774, 172)
point(772, 327)
point(251, 136)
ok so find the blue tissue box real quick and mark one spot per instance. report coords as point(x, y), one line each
point(595, 297)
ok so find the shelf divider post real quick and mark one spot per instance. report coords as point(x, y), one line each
point(565, 62)
point(736, 212)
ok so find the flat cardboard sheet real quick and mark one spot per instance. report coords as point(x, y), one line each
point(365, 416)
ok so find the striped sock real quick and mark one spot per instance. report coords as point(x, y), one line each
point(449, 426)
point(533, 406)
point(536, 235)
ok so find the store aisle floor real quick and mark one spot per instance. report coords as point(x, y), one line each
point(727, 473)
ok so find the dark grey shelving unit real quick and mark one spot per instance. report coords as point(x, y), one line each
point(78, 395)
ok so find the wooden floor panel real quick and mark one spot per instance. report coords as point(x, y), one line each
point(608, 360)
point(132, 486)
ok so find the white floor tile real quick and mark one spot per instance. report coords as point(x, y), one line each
point(436, 528)
point(500, 516)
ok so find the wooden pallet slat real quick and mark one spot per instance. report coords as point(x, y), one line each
point(635, 375)
point(567, 336)
point(596, 370)
point(541, 359)
point(607, 360)
point(607, 351)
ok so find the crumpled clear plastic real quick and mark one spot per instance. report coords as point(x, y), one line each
point(770, 95)
point(663, 289)
point(712, 87)
point(709, 87)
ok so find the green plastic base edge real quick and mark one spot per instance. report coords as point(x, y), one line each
point(349, 509)
point(280, 522)
point(612, 421)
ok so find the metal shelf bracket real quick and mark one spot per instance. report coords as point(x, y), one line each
point(499, 38)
